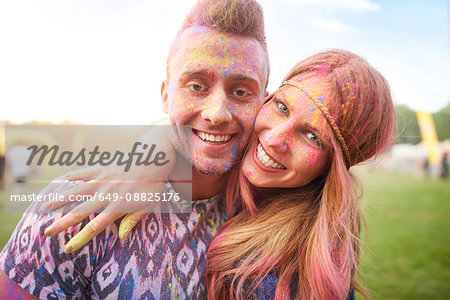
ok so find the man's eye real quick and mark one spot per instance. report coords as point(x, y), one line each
point(283, 108)
point(196, 87)
point(240, 93)
point(313, 138)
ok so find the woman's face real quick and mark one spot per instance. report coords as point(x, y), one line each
point(290, 146)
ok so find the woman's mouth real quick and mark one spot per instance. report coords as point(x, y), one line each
point(266, 160)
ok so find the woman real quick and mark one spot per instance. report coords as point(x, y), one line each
point(297, 233)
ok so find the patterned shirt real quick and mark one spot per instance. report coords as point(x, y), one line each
point(164, 256)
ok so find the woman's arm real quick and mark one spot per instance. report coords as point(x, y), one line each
point(111, 180)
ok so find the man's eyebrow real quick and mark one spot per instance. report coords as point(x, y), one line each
point(242, 77)
point(196, 73)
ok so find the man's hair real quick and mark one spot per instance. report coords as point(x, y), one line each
point(243, 17)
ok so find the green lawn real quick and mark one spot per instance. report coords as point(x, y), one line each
point(408, 247)
point(407, 253)
point(8, 222)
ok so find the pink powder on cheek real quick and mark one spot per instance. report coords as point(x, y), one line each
point(313, 158)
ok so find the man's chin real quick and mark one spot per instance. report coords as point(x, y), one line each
point(212, 167)
point(211, 172)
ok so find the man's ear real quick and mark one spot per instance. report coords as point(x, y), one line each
point(165, 105)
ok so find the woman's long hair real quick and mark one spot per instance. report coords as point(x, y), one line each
point(307, 236)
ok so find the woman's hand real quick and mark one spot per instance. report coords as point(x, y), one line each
point(109, 189)
point(108, 181)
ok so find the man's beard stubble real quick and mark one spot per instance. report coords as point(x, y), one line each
point(181, 137)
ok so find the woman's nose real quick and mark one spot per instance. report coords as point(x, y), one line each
point(278, 137)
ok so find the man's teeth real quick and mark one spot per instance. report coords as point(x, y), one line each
point(266, 160)
point(213, 138)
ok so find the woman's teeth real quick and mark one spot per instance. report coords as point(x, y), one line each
point(213, 138)
point(266, 160)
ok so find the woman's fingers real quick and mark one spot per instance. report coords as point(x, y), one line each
point(94, 227)
point(75, 216)
point(127, 223)
point(84, 174)
point(70, 196)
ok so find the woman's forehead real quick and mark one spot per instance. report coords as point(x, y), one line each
point(303, 109)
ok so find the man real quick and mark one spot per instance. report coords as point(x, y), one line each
point(217, 72)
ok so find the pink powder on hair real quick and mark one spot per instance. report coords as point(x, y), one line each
point(355, 138)
point(323, 68)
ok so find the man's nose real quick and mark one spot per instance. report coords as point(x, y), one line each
point(216, 108)
point(278, 137)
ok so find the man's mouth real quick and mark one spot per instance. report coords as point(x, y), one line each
point(266, 160)
point(212, 138)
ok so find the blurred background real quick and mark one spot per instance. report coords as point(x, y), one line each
point(101, 62)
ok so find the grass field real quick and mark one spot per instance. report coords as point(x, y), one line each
point(408, 249)
point(407, 254)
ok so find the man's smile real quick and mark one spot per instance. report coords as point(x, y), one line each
point(213, 138)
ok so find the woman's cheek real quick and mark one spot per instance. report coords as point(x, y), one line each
point(265, 116)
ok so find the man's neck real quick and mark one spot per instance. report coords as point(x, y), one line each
point(206, 186)
point(203, 186)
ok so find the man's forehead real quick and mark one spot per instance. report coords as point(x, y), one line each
point(198, 47)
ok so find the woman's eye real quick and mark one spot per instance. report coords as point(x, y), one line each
point(283, 108)
point(196, 87)
point(313, 138)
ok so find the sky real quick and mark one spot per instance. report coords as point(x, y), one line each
point(103, 61)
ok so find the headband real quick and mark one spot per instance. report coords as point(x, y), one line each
point(327, 116)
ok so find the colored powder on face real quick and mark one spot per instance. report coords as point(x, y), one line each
point(321, 99)
point(314, 157)
point(233, 151)
point(227, 166)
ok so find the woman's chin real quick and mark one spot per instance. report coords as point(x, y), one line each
point(253, 178)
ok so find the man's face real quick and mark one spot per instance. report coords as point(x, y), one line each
point(216, 84)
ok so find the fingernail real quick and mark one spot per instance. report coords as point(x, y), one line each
point(48, 231)
point(68, 249)
point(125, 234)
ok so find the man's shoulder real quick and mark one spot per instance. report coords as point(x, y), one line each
point(37, 262)
point(160, 249)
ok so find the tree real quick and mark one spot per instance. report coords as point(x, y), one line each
point(407, 126)
point(442, 123)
